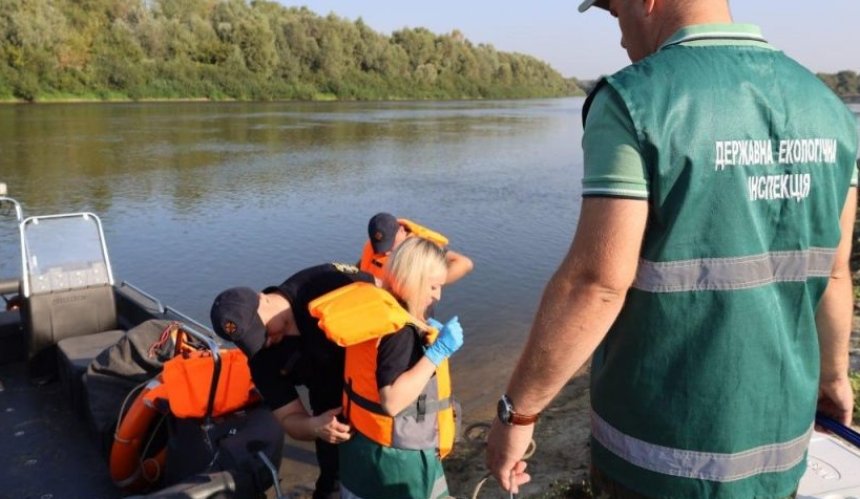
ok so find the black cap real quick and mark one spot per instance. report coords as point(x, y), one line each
point(381, 230)
point(235, 318)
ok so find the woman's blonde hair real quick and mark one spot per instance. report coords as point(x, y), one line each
point(409, 268)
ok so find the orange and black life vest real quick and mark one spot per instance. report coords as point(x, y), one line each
point(374, 263)
point(357, 317)
point(183, 389)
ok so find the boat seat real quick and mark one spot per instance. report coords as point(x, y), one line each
point(55, 316)
point(74, 355)
point(67, 329)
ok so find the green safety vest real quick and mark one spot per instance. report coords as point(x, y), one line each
point(706, 384)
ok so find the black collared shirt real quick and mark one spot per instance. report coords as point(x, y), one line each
point(312, 360)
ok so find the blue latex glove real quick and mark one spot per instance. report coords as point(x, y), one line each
point(449, 341)
point(436, 324)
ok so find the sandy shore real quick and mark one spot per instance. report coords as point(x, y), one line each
point(560, 460)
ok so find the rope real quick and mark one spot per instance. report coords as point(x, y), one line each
point(158, 346)
point(145, 451)
point(471, 436)
point(122, 410)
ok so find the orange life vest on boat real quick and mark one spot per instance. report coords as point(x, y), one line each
point(374, 263)
point(183, 388)
point(357, 317)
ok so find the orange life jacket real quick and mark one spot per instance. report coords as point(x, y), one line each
point(358, 316)
point(183, 386)
point(188, 382)
point(374, 263)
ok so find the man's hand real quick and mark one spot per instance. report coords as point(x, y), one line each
point(836, 399)
point(506, 446)
point(328, 429)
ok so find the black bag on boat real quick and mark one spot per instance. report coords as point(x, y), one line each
point(230, 444)
point(117, 370)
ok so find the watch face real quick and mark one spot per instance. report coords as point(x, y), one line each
point(503, 409)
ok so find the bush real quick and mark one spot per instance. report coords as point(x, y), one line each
point(26, 87)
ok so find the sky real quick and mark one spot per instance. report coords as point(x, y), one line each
point(824, 39)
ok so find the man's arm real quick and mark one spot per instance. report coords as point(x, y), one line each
point(833, 320)
point(458, 266)
point(300, 425)
point(579, 304)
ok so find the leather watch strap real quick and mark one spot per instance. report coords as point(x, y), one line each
point(523, 419)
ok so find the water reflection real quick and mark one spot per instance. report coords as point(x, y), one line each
point(197, 197)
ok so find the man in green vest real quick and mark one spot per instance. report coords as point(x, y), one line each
point(709, 272)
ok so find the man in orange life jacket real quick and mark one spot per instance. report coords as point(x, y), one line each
point(385, 233)
point(286, 348)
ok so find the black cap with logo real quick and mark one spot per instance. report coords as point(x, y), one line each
point(235, 318)
point(382, 230)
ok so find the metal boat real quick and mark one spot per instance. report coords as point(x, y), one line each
point(58, 316)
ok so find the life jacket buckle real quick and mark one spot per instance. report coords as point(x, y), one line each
point(421, 407)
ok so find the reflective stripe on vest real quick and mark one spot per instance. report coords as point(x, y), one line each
point(706, 382)
point(718, 467)
point(419, 409)
point(715, 274)
point(440, 488)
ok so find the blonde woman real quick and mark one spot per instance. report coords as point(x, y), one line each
point(397, 387)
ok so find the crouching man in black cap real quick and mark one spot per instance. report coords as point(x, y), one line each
point(286, 348)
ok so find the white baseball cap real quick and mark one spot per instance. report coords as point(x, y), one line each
point(587, 4)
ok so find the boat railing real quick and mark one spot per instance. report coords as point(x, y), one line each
point(19, 213)
point(157, 305)
point(46, 244)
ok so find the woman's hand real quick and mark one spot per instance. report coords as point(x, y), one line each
point(449, 341)
point(328, 429)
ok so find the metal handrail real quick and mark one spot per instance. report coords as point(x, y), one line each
point(19, 213)
point(159, 307)
point(25, 271)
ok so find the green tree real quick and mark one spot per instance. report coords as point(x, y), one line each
point(248, 50)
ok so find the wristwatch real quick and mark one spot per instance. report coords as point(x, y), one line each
point(509, 416)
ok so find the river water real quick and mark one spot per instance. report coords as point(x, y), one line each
point(198, 197)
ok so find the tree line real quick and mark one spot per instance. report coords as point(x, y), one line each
point(846, 84)
point(235, 49)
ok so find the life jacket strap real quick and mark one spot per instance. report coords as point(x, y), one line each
point(418, 410)
point(422, 407)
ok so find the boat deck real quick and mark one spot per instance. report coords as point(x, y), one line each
point(46, 450)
